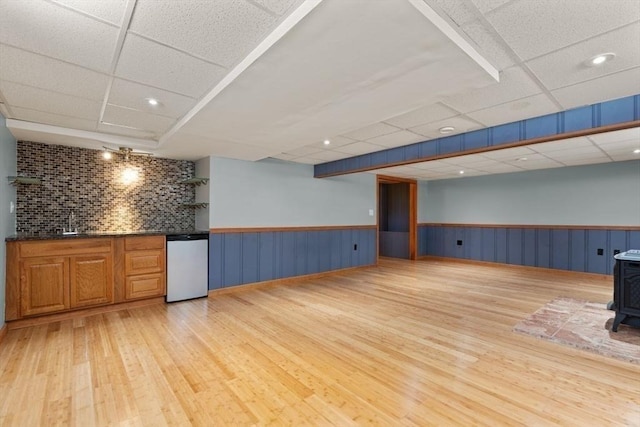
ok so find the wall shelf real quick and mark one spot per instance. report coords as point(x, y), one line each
point(195, 181)
point(196, 205)
point(15, 180)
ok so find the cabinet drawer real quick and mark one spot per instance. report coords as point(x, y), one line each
point(143, 243)
point(64, 247)
point(145, 286)
point(143, 262)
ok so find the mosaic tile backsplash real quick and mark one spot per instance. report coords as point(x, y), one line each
point(143, 193)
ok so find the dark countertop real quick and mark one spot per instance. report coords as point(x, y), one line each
point(92, 234)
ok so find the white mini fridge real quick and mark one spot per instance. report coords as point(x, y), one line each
point(187, 266)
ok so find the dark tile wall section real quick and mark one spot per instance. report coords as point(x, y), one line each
point(79, 180)
point(572, 249)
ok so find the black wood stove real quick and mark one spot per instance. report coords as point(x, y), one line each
point(626, 289)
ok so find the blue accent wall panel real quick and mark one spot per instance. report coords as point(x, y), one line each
point(335, 250)
point(617, 111)
point(324, 250)
point(449, 144)
point(267, 257)
point(287, 260)
point(476, 139)
point(313, 252)
point(473, 243)
point(347, 248)
point(597, 239)
point(514, 246)
point(578, 119)
point(560, 249)
point(501, 245)
point(506, 133)
point(364, 161)
point(411, 152)
point(216, 260)
point(395, 155)
point(300, 238)
point(541, 126)
point(232, 259)
point(578, 250)
point(543, 248)
point(428, 148)
point(529, 247)
point(250, 257)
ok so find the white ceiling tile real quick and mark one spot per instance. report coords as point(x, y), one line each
point(427, 114)
point(283, 156)
point(109, 10)
point(616, 136)
point(500, 168)
point(525, 108)
point(371, 131)
point(328, 155)
point(538, 164)
point(459, 12)
point(578, 162)
point(514, 84)
point(622, 156)
point(567, 66)
point(156, 65)
point(485, 6)
point(533, 28)
point(222, 31)
point(307, 160)
point(133, 95)
point(279, 6)
point(136, 119)
point(126, 131)
point(20, 66)
point(620, 146)
point(396, 139)
point(461, 124)
point(32, 98)
point(304, 151)
point(69, 35)
point(617, 85)
point(563, 144)
point(577, 154)
point(204, 146)
point(53, 119)
point(358, 148)
point(490, 44)
point(509, 153)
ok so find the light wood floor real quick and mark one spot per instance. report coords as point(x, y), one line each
point(406, 343)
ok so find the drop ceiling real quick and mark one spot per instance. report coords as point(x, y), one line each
point(251, 79)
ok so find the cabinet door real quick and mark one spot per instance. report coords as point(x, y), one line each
point(144, 262)
point(145, 286)
point(91, 280)
point(44, 285)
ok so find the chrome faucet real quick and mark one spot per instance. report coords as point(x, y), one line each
point(73, 229)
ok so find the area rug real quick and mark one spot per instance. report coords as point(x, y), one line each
point(585, 325)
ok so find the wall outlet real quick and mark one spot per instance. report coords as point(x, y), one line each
point(355, 246)
point(616, 251)
point(600, 251)
point(12, 207)
point(459, 242)
point(370, 212)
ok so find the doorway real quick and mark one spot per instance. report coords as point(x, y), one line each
point(397, 217)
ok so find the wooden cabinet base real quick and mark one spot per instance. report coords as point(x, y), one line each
point(57, 317)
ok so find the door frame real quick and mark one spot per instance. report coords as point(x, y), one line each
point(413, 212)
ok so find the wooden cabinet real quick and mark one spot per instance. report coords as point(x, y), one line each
point(91, 280)
point(144, 267)
point(44, 285)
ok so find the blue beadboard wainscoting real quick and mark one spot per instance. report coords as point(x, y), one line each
point(238, 257)
point(588, 249)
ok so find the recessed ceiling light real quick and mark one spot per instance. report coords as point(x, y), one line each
point(152, 101)
point(446, 129)
point(326, 142)
point(636, 151)
point(601, 59)
point(461, 172)
point(522, 159)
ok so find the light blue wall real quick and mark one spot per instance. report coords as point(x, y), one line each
point(273, 193)
point(601, 194)
point(7, 196)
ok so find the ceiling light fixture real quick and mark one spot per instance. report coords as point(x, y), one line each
point(153, 102)
point(446, 129)
point(601, 59)
point(636, 151)
point(522, 159)
point(461, 172)
point(326, 142)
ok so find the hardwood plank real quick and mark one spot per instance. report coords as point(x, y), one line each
point(425, 342)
